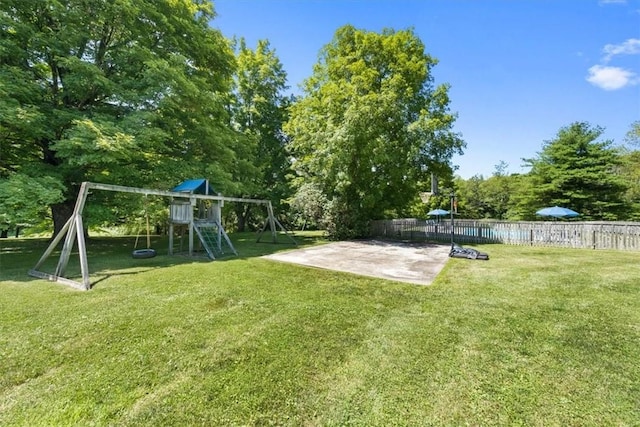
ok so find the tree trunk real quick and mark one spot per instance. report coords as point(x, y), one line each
point(4, 234)
point(61, 212)
point(243, 214)
point(240, 215)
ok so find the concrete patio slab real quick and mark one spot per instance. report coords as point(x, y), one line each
point(417, 263)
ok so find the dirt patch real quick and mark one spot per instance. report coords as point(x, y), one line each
point(416, 263)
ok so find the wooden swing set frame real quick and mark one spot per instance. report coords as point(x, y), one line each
point(73, 230)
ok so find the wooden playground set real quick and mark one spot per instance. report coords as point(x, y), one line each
point(194, 210)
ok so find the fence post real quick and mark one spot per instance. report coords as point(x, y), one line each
point(608, 235)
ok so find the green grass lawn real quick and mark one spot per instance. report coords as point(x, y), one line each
point(532, 337)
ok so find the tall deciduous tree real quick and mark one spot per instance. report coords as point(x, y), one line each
point(630, 170)
point(371, 125)
point(577, 171)
point(480, 197)
point(259, 111)
point(498, 189)
point(633, 134)
point(128, 92)
point(24, 200)
point(471, 196)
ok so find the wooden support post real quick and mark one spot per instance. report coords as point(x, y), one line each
point(82, 250)
point(218, 220)
point(69, 241)
point(72, 229)
point(286, 232)
point(191, 226)
point(170, 252)
point(53, 244)
point(72, 233)
point(272, 223)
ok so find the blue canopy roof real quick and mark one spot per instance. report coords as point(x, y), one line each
point(194, 186)
point(438, 212)
point(557, 212)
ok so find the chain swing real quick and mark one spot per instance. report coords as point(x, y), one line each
point(148, 252)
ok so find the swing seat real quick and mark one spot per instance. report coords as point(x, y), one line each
point(144, 253)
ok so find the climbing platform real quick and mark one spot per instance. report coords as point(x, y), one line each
point(214, 239)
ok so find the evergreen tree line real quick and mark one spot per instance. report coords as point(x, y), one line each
point(148, 93)
point(576, 169)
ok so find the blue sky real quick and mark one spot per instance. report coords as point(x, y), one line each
point(519, 70)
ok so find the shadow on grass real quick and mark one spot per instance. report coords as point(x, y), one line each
point(105, 276)
point(111, 256)
point(247, 246)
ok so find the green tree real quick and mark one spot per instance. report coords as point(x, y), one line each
point(633, 135)
point(23, 200)
point(309, 203)
point(498, 189)
point(630, 172)
point(371, 125)
point(493, 197)
point(259, 110)
point(577, 171)
point(471, 197)
point(113, 91)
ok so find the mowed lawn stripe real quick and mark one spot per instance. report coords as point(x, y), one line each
point(533, 336)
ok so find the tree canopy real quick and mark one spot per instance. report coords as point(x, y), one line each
point(480, 197)
point(126, 92)
point(633, 134)
point(577, 171)
point(371, 125)
point(259, 109)
point(147, 93)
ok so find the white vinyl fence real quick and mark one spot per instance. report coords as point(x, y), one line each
point(571, 234)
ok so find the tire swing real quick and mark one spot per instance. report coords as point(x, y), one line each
point(148, 252)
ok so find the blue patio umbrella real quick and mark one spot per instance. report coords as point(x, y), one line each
point(557, 212)
point(438, 212)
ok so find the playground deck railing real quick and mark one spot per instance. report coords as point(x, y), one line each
point(571, 234)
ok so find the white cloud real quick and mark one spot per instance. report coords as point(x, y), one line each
point(608, 77)
point(611, 78)
point(628, 47)
point(601, 2)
